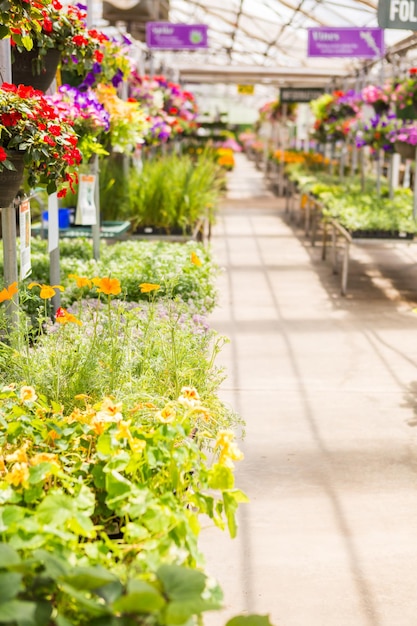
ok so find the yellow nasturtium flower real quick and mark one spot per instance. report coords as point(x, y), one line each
point(27, 394)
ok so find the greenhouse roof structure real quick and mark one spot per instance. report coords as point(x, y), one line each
point(269, 37)
point(259, 41)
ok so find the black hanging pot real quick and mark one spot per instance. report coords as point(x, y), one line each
point(25, 68)
point(406, 150)
point(11, 180)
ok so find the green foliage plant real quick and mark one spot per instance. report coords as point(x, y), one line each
point(131, 262)
point(99, 510)
point(173, 192)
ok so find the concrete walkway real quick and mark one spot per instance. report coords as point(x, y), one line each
point(327, 386)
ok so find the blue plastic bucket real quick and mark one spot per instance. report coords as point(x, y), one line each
point(63, 217)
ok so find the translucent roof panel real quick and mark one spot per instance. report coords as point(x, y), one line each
point(271, 33)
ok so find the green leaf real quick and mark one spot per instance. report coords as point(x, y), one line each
point(27, 42)
point(104, 445)
point(178, 613)
point(89, 578)
point(231, 500)
point(181, 583)
point(9, 585)
point(8, 556)
point(55, 567)
point(221, 477)
point(4, 31)
point(10, 515)
point(39, 472)
point(88, 604)
point(250, 620)
point(17, 611)
point(141, 598)
point(43, 613)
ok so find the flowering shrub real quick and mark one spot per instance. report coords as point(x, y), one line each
point(225, 158)
point(95, 59)
point(405, 91)
point(406, 133)
point(376, 133)
point(90, 119)
point(335, 114)
point(32, 125)
point(170, 109)
point(273, 111)
point(127, 120)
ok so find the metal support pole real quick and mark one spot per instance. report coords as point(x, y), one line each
point(345, 268)
point(8, 214)
point(334, 249)
point(53, 248)
point(8, 224)
point(415, 187)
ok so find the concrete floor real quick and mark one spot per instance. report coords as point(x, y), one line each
point(327, 386)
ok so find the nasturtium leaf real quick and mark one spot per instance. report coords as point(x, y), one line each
point(54, 566)
point(9, 585)
point(8, 556)
point(250, 620)
point(16, 611)
point(10, 515)
point(221, 477)
point(181, 583)
point(141, 597)
point(89, 578)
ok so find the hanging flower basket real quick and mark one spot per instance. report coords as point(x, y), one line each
point(11, 180)
point(380, 107)
point(406, 150)
point(26, 72)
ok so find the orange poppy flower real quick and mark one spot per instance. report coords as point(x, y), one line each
point(148, 287)
point(195, 259)
point(107, 285)
point(47, 291)
point(81, 281)
point(64, 317)
point(8, 292)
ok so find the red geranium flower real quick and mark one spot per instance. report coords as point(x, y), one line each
point(3, 154)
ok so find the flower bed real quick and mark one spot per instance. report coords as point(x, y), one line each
point(114, 442)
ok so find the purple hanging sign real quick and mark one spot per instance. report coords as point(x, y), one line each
point(366, 43)
point(167, 36)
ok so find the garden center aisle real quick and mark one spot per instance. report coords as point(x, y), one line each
point(327, 387)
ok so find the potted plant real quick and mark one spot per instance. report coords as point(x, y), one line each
point(49, 35)
point(35, 134)
point(39, 37)
point(404, 94)
point(91, 121)
point(376, 133)
point(404, 140)
point(378, 97)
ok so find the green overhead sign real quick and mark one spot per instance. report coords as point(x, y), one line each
point(397, 14)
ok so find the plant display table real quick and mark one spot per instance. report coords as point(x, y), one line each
point(338, 232)
point(108, 230)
